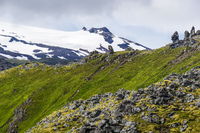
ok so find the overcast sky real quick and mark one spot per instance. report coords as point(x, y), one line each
point(149, 22)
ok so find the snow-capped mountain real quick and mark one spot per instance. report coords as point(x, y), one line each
point(26, 43)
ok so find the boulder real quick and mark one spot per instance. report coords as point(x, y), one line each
point(129, 49)
point(120, 94)
point(175, 37)
point(198, 32)
point(189, 97)
point(111, 51)
point(186, 35)
point(192, 32)
point(183, 128)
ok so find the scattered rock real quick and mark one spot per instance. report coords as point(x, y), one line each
point(121, 113)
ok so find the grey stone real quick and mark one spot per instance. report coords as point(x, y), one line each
point(155, 119)
point(183, 128)
point(129, 49)
point(58, 114)
point(66, 125)
point(54, 129)
point(87, 78)
point(136, 110)
point(96, 113)
point(192, 32)
point(116, 129)
point(175, 37)
point(185, 122)
point(162, 120)
point(146, 118)
point(120, 94)
point(198, 32)
point(189, 97)
point(186, 35)
point(129, 123)
point(101, 123)
point(82, 107)
point(111, 51)
point(186, 83)
point(180, 94)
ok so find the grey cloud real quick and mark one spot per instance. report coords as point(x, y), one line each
point(56, 7)
point(160, 16)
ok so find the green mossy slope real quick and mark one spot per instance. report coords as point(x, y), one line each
point(50, 87)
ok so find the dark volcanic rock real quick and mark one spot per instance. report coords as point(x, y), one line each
point(187, 34)
point(192, 32)
point(186, 42)
point(111, 51)
point(175, 37)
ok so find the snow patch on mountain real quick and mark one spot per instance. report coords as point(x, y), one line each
point(25, 42)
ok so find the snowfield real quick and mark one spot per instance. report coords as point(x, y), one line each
point(40, 43)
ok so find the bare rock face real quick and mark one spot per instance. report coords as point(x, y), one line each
point(175, 40)
point(186, 35)
point(186, 42)
point(175, 37)
point(84, 28)
point(198, 32)
point(19, 115)
point(192, 32)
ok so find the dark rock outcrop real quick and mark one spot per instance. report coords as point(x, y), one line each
point(19, 115)
point(186, 42)
point(111, 50)
point(175, 37)
point(104, 32)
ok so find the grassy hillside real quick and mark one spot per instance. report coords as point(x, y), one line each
point(30, 92)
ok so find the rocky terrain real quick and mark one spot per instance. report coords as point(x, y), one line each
point(189, 38)
point(171, 105)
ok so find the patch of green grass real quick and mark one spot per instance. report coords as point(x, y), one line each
point(50, 88)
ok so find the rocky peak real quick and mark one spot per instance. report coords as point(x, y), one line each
point(100, 30)
point(175, 37)
point(192, 32)
point(186, 42)
point(104, 32)
point(84, 28)
point(186, 35)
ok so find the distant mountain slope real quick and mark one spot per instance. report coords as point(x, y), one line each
point(5, 64)
point(28, 43)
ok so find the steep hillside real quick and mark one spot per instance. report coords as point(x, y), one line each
point(30, 92)
point(168, 106)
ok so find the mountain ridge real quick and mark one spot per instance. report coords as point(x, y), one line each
point(23, 42)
